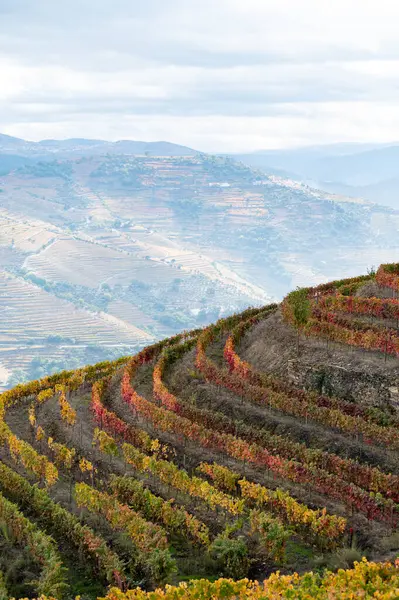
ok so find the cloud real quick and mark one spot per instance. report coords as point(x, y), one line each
point(159, 69)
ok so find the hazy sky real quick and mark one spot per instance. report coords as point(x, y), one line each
point(217, 75)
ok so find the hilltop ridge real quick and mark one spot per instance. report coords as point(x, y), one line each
point(82, 147)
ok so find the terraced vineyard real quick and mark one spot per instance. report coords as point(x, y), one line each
point(33, 316)
point(134, 247)
point(187, 461)
point(335, 312)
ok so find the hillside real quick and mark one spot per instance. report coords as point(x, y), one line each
point(135, 247)
point(267, 441)
point(357, 170)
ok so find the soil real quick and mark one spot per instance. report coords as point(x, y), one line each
point(369, 378)
point(370, 533)
point(208, 395)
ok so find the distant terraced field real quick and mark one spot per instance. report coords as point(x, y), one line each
point(31, 315)
point(97, 265)
point(162, 244)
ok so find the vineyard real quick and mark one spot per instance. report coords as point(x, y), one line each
point(335, 312)
point(188, 466)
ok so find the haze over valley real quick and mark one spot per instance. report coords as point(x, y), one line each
point(107, 247)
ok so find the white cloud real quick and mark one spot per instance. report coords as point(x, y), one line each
point(226, 75)
point(304, 125)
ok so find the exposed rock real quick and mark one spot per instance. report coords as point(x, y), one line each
point(365, 387)
point(356, 375)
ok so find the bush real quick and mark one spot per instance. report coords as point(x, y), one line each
point(160, 566)
point(344, 558)
point(231, 556)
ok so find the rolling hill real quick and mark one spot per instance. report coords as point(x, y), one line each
point(356, 170)
point(135, 247)
point(46, 149)
point(265, 441)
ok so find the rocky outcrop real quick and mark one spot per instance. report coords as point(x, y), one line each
point(333, 369)
point(354, 384)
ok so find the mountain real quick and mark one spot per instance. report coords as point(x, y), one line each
point(9, 141)
point(100, 254)
point(10, 162)
point(298, 158)
point(257, 447)
point(384, 192)
point(16, 146)
point(358, 171)
point(45, 149)
point(364, 168)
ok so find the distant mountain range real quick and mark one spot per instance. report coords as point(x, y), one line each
point(358, 170)
point(81, 146)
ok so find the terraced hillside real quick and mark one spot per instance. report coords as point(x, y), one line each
point(142, 246)
point(195, 459)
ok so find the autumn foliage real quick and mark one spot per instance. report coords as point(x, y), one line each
point(156, 480)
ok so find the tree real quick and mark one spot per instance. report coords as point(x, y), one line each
point(160, 566)
point(300, 304)
point(231, 555)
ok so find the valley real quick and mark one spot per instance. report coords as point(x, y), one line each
point(135, 247)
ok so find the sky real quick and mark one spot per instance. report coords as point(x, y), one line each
point(215, 75)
